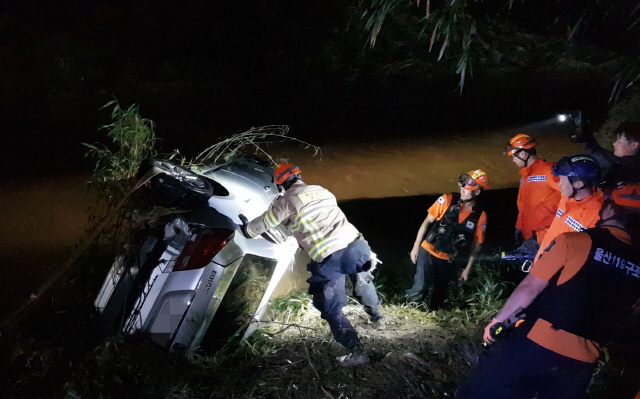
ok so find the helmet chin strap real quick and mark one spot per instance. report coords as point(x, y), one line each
point(525, 160)
point(466, 201)
point(573, 189)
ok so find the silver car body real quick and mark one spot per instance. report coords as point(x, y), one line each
point(176, 308)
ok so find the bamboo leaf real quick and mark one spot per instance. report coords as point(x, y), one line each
point(444, 45)
point(435, 32)
point(91, 146)
point(110, 103)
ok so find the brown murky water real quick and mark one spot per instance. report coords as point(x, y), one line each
point(44, 218)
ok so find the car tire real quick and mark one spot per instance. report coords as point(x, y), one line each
point(171, 186)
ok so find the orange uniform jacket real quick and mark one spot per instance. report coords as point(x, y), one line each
point(439, 209)
point(567, 256)
point(573, 216)
point(538, 199)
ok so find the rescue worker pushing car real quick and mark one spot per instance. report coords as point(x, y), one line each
point(336, 249)
point(538, 196)
point(456, 227)
point(581, 200)
point(580, 295)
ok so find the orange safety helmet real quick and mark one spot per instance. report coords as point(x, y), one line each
point(520, 142)
point(627, 196)
point(284, 171)
point(473, 180)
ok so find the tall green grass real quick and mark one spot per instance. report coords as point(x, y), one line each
point(133, 139)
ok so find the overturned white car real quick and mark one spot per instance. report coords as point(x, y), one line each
point(168, 286)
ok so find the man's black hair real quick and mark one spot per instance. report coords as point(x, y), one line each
point(631, 131)
point(530, 151)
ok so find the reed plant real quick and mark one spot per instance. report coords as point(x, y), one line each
point(255, 140)
point(133, 139)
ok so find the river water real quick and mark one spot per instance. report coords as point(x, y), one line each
point(385, 187)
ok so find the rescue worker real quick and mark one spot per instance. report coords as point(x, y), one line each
point(336, 249)
point(456, 227)
point(538, 195)
point(623, 164)
point(581, 200)
point(580, 295)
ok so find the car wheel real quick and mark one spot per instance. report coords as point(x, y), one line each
point(169, 185)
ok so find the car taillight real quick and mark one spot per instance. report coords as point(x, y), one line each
point(198, 253)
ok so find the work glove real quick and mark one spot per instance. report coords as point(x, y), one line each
point(243, 226)
point(529, 247)
point(374, 262)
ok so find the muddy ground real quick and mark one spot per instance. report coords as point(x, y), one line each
point(43, 218)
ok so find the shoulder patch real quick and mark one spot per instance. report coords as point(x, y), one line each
point(441, 200)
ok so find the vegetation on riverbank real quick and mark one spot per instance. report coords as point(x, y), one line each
point(58, 347)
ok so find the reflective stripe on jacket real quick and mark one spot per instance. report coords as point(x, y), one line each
point(573, 216)
point(312, 215)
point(538, 198)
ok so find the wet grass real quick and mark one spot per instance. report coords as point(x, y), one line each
point(58, 350)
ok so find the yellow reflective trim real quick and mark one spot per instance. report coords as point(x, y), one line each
point(312, 209)
point(314, 233)
point(321, 248)
point(271, 219)
point(298, 220)
point(576, 159)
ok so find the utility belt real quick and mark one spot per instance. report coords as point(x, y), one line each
point(457, 262)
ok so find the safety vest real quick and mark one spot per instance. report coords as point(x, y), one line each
point(453, 238)
point(597, 302)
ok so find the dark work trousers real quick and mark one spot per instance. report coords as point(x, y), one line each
point(327, 286)
point(432, 271)
point(365, 293)
point(518, 368)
